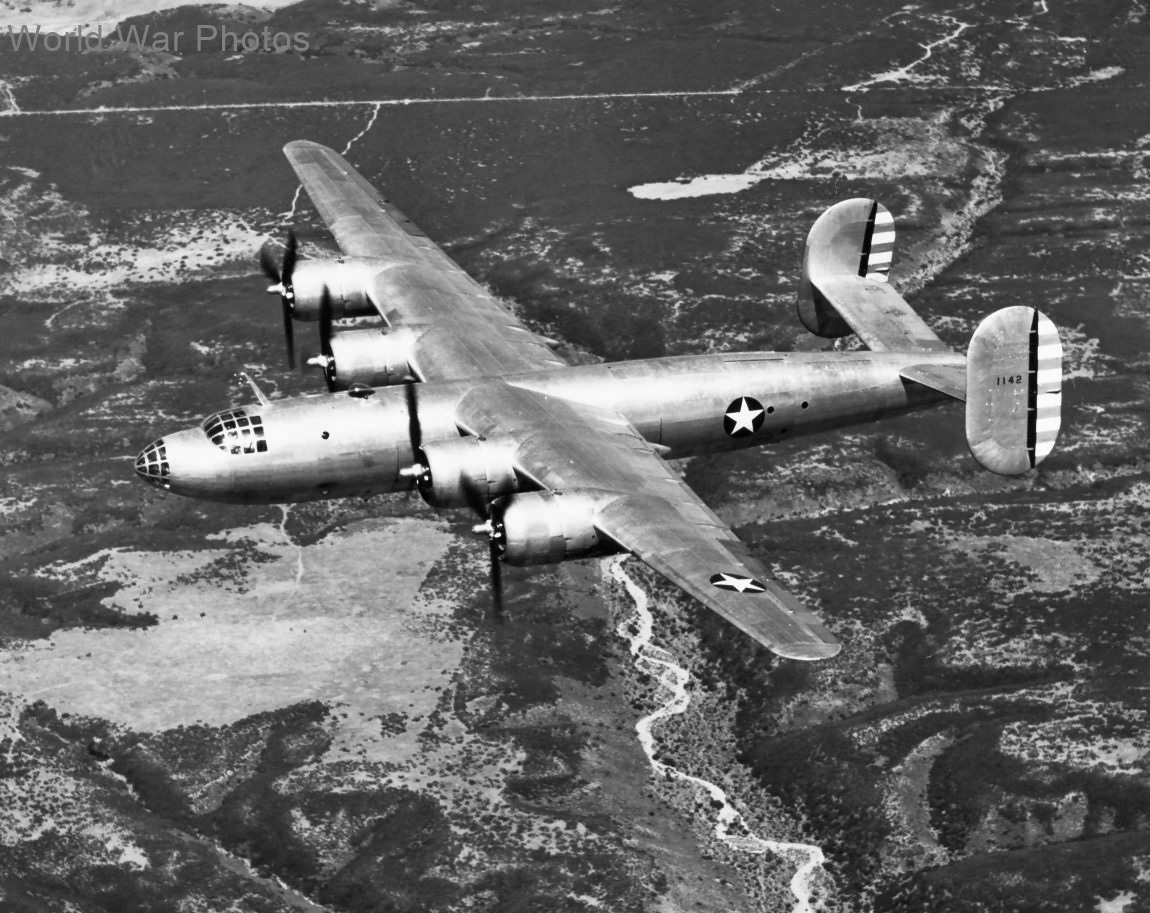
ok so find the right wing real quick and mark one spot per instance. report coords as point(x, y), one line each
point(461, 329)
point(645, 508)
point(686, 543)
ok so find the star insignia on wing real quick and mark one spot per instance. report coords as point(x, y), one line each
point(738, 583)
point(744, 416)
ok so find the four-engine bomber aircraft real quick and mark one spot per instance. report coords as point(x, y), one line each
point(456, 396)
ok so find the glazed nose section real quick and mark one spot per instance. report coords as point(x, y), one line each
point(184, 462)
point(152, 463)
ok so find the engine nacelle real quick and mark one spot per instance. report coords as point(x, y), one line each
point(542, 527)
point(347, 282)
point(377, 357)
point(458, 473)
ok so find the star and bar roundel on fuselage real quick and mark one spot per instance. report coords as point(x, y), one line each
point(743, 416)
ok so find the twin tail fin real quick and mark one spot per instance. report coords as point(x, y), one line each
point(1012, 380)
point(1013, 390)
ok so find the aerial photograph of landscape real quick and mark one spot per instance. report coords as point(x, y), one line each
point(351, 704)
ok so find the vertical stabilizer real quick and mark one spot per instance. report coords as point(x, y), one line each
point(1013, 390)
point(844, 287)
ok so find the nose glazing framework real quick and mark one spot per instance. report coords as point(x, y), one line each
point(152, 463)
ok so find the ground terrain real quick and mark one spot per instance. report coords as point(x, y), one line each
point(308, 708)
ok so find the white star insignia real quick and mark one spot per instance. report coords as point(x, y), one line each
point(739, 584)
point(744, 417)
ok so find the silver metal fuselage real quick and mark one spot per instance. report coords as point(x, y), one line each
point(335, 445)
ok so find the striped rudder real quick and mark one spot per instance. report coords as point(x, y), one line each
point(1045, 407)
point(1013, 390)
point(878, 244)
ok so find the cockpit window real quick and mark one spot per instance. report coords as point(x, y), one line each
point(236, 431)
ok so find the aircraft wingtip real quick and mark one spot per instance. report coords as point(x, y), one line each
point(299, 145)
point(808, 651)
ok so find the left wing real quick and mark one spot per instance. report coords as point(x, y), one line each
point(461, 329)
point(647, 509)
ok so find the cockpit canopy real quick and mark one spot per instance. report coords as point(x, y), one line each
point(235, 431)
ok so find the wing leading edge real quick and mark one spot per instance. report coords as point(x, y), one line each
point(647, 509)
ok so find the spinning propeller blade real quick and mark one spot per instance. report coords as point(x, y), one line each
point(486, 510)
point(496, 577)
point(325, 330)
point(325, 360)
point(289, 334)
point(414, 429)
point(291, 251)
point(475, 499)
point(281, 277)
point(268, 263)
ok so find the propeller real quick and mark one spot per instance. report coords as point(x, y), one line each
point(414, 429)
point(414, 436)
point(475, 499)
point(281, 285)
point(325, 360)
point(492, 528)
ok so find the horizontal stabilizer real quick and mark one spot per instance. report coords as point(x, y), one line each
point(879, 315)
point(948, 379)
point(844, 284)
point(1013, 390)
